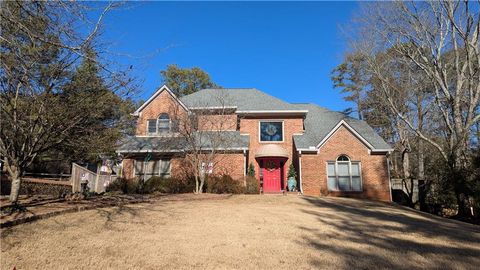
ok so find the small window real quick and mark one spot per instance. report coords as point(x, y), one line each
point(344, 175)
point(271, 131)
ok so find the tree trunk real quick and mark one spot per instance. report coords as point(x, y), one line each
point(196, 184)
point(422, 185)
point(202, 182)
point(460, 179)
point(15, 174)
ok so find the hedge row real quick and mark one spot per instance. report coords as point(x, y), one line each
point(36, 188)
point(213, 184)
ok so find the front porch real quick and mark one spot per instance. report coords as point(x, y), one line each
point(272, 174)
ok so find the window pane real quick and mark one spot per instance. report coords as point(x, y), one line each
point(331, 169)
point(163, 125)
point(342, 158)
point(138, 167)
point(355, 169)
point(152, 168)
point(344, 183)
point(271, 131)
point(165, 167)
point(152, 125)
point(342, 169)
point(332, 183)
point(356, 184)
point(164, 116)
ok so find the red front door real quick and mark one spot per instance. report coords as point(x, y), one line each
point(272, 175)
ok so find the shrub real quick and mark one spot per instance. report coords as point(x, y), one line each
point(291, 172)
point(251, 170)
point(124, 185)
point(252, 185)
point(153, 184)
point(224, 184)
point(37, 188)
point(168, 185)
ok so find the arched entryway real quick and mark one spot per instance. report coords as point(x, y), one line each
point(271, 159)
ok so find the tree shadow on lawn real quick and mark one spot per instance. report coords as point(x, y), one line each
point(366, 235)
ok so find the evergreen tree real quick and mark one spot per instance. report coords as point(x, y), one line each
point(185, 81)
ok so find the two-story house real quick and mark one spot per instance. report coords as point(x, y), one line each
point(333, 154)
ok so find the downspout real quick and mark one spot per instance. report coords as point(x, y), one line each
point(389, 178)
point(300, 170)
point(244, 163)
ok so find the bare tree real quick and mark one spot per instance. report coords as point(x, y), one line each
point(41, 47)
point(439, 41)
point(209, 131)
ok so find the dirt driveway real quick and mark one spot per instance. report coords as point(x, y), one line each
point(243, 232)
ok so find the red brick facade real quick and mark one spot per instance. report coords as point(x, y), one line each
point(250, 126)
point(163, 103)
point(374, 167)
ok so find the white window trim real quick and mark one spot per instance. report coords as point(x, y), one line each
point(270, 120)
point(335, 162)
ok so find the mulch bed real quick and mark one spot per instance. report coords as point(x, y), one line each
point(38, 207)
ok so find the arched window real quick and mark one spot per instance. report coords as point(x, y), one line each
point(163, 123)
point(344, 175)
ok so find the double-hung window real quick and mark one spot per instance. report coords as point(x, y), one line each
point(344, 175)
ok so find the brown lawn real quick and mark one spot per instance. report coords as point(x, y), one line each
point(243, 232)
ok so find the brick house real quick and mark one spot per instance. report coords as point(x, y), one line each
point(333, 154)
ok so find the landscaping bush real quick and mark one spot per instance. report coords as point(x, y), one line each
point(224, 184)
point(252, 185)
point(167, 185)
point(37, 188)
point(124, 185)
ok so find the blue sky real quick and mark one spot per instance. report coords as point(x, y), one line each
point(286, 49)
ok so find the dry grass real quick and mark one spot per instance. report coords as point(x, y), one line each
point(248, 232)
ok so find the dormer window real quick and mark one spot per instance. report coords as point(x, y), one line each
point(161, 125)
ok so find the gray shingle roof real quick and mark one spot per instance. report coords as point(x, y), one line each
point(245, 99)
point(222, 140)
point(320, 121)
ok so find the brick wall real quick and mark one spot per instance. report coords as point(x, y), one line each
point(373, 167)
point(217, 122)
point(231, 164)
point(127, 167)
point(163, 103)
point(250, 126)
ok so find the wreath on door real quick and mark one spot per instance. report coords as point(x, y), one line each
point(271, 166)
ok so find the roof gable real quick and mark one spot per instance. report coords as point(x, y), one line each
point(156, 94)
point(321, 123)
